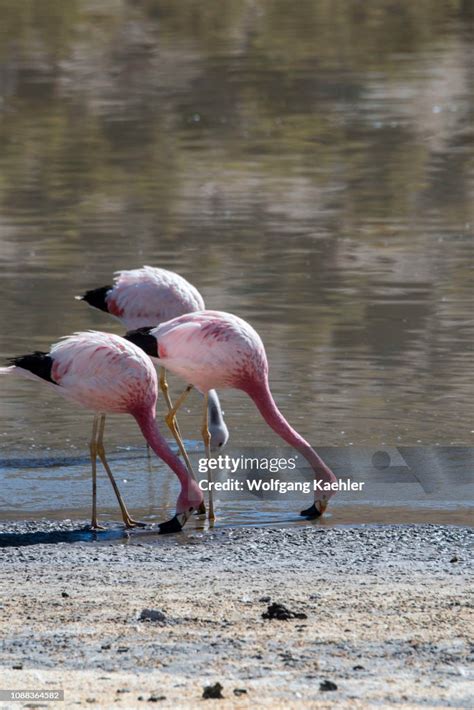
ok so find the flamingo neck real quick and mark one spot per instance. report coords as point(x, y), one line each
point(262, 396)
point(147, 423)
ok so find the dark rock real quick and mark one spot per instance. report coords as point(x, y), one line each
point(358, 668)
point(156, 698)
point(65, 595)
point(122, 649)
point(280, 612)
point(17, 667)
point(454, 559)
point(212, 692)
point(265, 600)
point(152, 615)
point(327, 685)
point(239, 691)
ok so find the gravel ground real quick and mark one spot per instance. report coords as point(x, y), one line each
point(388, 616)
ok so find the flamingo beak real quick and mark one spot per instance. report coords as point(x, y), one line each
point(176, 524)
point(316, 510)
point(170, 526)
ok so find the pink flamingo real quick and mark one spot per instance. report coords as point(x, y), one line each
point(212, 349)
point(147, 297)
point(108, 374)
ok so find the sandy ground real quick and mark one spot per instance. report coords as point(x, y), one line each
point(389, 618)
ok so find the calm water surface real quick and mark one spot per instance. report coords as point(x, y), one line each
point(309, 167)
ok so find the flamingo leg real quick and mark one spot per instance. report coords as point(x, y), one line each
point(174, 428)
point(127, 519)
point(207, 445)
point(179, 402)
point(93, 451)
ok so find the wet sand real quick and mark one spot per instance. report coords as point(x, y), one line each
point(387, 617)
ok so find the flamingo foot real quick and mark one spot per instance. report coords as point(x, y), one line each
point(131, 523)
point(95, 527)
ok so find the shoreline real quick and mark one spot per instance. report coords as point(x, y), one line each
point(387, 617)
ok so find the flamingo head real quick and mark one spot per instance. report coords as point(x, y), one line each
point(217, 427)
point(320, 504)
point(189, 501)
point(219, 434)
point(315, 510)
point(327, 481)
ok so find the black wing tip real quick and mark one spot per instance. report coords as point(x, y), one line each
point(96, 297)
point(142, 338)
point(18, 360)
point(145, 329)
point(39, 363)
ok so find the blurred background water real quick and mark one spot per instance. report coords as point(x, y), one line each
point(307, 166)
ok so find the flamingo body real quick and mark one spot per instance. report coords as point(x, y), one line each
point(148, 297)
point(212, 349)
point(215, 349)
point(100, 372)
point(108, 374)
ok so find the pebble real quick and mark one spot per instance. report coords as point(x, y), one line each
point(282, 613)
point(326, 685)
point(239, 691)
point(152, 615)
point(213, 692)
